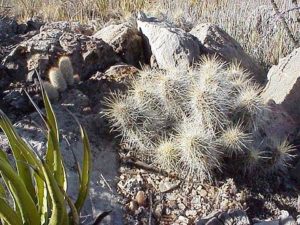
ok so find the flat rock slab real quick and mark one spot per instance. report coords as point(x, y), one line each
point(284, 84)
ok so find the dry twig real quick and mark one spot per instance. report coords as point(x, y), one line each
point(285, 25)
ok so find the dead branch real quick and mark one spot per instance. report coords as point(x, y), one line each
point(285, 25)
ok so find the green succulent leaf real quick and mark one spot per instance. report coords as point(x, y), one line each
point(86, 170)
point(25, 203)
point(53, 155)
point(8, 215)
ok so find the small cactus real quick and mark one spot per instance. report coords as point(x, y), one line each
point(50, 90)
point(65, 66)
point(197, 121)
point(57, 79)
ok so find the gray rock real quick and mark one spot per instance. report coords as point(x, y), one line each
point(102, 193)
point(284, 83)
point(42, 51)
point(276, 124)
point(67, 26)
point(272, 222)
point(235, 217)
point(214, 221)
point(172, 47)
point(4, 78)
point(125, 40)
point(8, 28)
point(217, 41)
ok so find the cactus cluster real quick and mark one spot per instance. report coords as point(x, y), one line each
point(60, 78)
point(198, 121)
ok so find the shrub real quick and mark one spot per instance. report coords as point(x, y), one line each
point(32, 188)
point(197, 121)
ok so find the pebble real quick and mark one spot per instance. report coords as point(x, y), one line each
point(203, 193)
point(190, 213)
point(183, 219)
point(140, 198)
point(158, 210)
point(181, 206)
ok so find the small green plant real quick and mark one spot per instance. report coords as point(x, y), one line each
point(33, 188)
point(198, 121)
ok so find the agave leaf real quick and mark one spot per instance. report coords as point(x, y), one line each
point(8, 214)
point(59, 211)
point(86, 170)
point(53, 155)
point(73, 215)
point(23, 170)
point(22, 197)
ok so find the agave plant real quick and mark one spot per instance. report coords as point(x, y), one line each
point(33, 189)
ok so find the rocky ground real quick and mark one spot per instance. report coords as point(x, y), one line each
point(137, 192)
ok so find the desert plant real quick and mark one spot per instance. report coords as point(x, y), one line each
point(51, 91)
point(196, 121)
point(33, 188)
point(65, 66)
point(57, 79)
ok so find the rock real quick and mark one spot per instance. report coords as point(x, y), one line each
point(284, 83)
point(125, 40)
point(239, 217)
point(235, 217)
point(287, 220)
point(295, 173)
point(214, 221)
point(165, 186)
point(17, 100)
point(75, 100)
point(120, 72)
point(101, 197)
point(272, 222)
point(217, 41)
point(140, 198)
point(70, 27)
point(34, 23)
point(42, 51)
point(8, 27)
point(172, 47)
point(4, 78)
point(276, 124)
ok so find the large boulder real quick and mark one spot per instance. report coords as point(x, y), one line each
point(172, 47)
point(102, 193)
point(284, 84)
point(125, 40)
point(42, 51)
point(217, 42)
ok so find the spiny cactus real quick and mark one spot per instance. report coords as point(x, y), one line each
point(57, 79)
point(50, 90)
point(65, 66)
point(196, 121)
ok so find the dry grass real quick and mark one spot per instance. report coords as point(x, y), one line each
point(253, 23)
